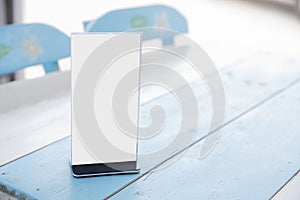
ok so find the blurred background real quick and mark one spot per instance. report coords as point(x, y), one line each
point(227, 29)
point(258, 40)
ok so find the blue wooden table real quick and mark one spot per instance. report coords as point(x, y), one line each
point(258, 151)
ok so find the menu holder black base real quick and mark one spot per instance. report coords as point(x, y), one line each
point(102, 169)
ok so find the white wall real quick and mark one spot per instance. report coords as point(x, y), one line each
point(227, 30)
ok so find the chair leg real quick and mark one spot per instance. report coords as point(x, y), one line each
point(51, 67)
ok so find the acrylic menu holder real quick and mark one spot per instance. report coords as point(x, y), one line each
point(104, 66)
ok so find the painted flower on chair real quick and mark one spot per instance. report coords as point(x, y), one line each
point(31, 49)
point(161, 20)
point(139, 21)
point(4, 50)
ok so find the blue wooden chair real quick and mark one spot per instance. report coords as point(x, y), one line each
point(23, 45)
point(139, 19)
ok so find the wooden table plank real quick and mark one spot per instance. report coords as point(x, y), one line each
point(254, 156)
point(33, 113)
point(46, 174)
point(36, 127)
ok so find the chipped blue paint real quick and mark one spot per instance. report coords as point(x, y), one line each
point(135, 19)
point(12, 192)
point(24, 45)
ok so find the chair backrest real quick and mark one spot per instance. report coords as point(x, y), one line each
point(139, 19)
point(23, 45)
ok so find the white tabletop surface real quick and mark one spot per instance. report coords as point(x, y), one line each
point(36, 112)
